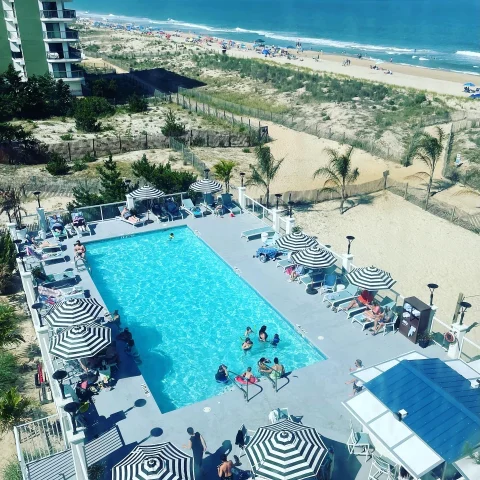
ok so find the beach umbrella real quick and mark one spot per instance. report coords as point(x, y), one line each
point(370, 278)
point(286, 451)
point(80, 341)
point(206, 185)
point(259, 40)
point(265, 51)
point(295, 242)
point(469, 84)
point(74, 311)
point(163, 461)
point(314, 257)
point(146, 193)
point(475, 95)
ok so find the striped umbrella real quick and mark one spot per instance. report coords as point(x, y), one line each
point(296, 241)
point(206, 185)
point(286, 451)
point(155, 462)
point(370, 278)
point(73, 312)
point(146, 193)
point(80, 341)
point(314, 257)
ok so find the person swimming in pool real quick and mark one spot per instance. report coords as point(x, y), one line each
point(263, 368)
point(248, 332)
point(247, 344)
point(262, 334)
point(247, 375)
point(276, 340)
point(171, 236)
point(222, 374)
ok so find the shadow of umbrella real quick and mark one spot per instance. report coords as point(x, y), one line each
point(141, 402)
point(154, 433)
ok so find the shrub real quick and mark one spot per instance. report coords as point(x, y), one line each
point(172, 128)
point(12, 471)
point(245, 150)
point(8, 371)
point(66, 137)
point(137, 104)
point(87, 121)
point(89, 110)
point(13, 409)
point(79, 165)
point(57, 165)
point(9, 331)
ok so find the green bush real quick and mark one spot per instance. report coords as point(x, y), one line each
point(89, 110)
point(137, 104)
point(57, 165)
point(8, 371)
point(12, 470)
point(79, 165)
point(172, 128)
point(245, 150)
point(66, 137)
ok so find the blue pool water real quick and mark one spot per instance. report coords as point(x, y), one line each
point(187, 311)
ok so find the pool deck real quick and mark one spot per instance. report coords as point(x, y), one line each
point(314, 393)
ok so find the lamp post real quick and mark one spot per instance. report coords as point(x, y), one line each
point(242, 175)
point(206, 171)
point(21, 256)
point(432, 287)
point(350, 239)
point(290, 206)
point(37, 194)
point(37, 306)
point(18, 242)
point(72, 409)
point(463, 308)
point(278, 195)
point(59, 375)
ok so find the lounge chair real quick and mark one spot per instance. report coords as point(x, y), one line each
point(390, 324)
point(209, 202)
point(285, 263)
point(311, 278)
point(365, 320)
point(53, 295)
point(77, 219)
point(229, 205)
point(355, 310)
point(46, 254)
point(55, 224)
point(127, 220)
point(191, 209)
point(329, 283)
point(160, 213)
point(271, 241)
point(336, 298)
point(257, 232)
point(57, 277)
point(172, 209)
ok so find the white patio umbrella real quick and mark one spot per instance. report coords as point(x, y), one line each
point(146, 193)
point(314, 257)
point(286, 451)
point(206, 185)
point(295, 242)
point(370, 278)
point(72, 312)
point(163, 461)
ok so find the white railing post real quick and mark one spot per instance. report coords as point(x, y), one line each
point(276, 219)
point(77, 444)
point(459, 331)
point(290, 223)
point(42, 221)
point(347, 261)
point(27, 283)
point(130, 202)
point(11, 228)
point(241, 197)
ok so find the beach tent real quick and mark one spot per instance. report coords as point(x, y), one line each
point(475, 95)
point(469, 84)
point(265, 51)
point(419, 412)
point(259, 40)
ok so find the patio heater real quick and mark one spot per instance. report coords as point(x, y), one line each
point(59, 376)
point(37, 194)
point(290, 208)
point(127, 183)
point(72, 409)
point(37, 306)
point(21, 256)
point(350, 239)
point(242, 175)
point(206, 172)
point(464, 306)
point(278, 196)
point(432, 287)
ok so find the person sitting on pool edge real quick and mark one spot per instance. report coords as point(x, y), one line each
point(276, 340)
point(263, 368)
point(262, 334)
point(278, 370)
point(247, 344)
point(79, 249)
point(222, 374)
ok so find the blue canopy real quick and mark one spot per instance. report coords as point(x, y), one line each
point(475, 95)
point(265, 51)
point(469, 84)
point(442, 407)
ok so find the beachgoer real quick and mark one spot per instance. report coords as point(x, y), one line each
point(171, 236)
point(278, 370)
point(263, 368)
point(225, 469)
point(79, 221)
point(218, 212)
point(248, 332)
point(247, 344)
point(113, 317)
point(357, 384)
point(262, 334)
point(79, 249)
point(363, 300)
point(222, 374)
point(295, 272)
point(129, 216)
point(247, 375)
point(276, 340)
point(197, 445)
point(373, 311)
point(125, 335)
point(381, 320)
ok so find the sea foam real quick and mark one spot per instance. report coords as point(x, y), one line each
point(466, 53)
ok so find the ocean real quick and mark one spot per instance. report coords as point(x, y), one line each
point(429, 33)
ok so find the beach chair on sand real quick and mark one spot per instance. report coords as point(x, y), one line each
point(229, 205)
point(140, 221)
point(257, 232)
point(335, 298)
point(195, 211)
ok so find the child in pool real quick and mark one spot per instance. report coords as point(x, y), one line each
point(276, 340)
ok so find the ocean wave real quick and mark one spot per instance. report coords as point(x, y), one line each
point(466, 53)
point(423, 59)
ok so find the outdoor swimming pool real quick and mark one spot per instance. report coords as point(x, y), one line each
point(187, 311)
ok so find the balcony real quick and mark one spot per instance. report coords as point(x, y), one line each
point(13, 37)
point(67, 75)
point(57, 15)
point(72, 54)
point(9, 15)
point(68, 35)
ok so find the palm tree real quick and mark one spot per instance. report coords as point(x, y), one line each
point(9, 332)
point(265, 170)
point(429, 150)
point(339, 173)
point(223, 170)
point(13, 409)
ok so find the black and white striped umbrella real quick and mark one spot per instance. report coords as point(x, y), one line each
point(80, 341)
point(296, 241)
point(146, 193)
point(370, 278)
point(314, 257)
point(163, 461)
point(286, 451)
point(73, 312)
point(206, 185)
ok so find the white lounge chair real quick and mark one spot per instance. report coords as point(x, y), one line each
point(195, 211)
point(140, 221)
point(58, 294)
point(257, 232)
point(336, 298)
point(311, 278)
point(285, 263)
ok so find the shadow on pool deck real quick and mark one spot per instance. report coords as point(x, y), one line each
point(314, 392)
